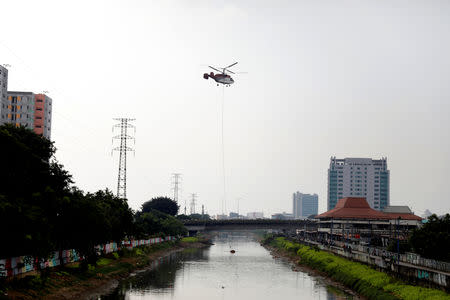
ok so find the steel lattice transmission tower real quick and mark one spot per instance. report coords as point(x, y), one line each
point(124, 124)
point(193, 203)
point(176, 186)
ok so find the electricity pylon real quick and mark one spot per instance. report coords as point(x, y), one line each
point(193, 203)
point(176, 186)
point(123, 149)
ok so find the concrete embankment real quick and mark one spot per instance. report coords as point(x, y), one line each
point(71, 282)
point(359, 277)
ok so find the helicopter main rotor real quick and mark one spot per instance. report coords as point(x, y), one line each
point(224, 70)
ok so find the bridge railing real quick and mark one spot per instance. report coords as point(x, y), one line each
point(248, 222)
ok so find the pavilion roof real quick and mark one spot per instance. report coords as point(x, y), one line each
point(358, 208)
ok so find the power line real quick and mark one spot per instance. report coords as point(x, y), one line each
point(123, 149)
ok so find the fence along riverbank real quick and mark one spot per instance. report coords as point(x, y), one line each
point(409, 265)
point(361, 278)
point(21, 265)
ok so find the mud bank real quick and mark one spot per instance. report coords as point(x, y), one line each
point(297, 267)
point(70, 282)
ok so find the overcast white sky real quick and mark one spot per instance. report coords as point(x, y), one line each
point(326, 78)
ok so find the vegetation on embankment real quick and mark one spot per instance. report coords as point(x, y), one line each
point(190, 239)
point(74, 282)
point(41, 211)
point(359, 277)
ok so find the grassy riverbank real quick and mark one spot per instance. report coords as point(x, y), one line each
point(71, 282)
point(359, 277)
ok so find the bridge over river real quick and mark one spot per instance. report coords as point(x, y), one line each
point(212, 225)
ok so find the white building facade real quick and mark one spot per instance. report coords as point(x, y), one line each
point(255, 215)
point(304, 205)
point(359, 177)
point(3, 94)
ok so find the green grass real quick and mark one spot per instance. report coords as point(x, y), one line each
point(359, 277)
point(190, 239)
point(74, 265)
point(104, 261)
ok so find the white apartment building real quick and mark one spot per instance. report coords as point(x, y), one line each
point(359, 177)
point(3, 94)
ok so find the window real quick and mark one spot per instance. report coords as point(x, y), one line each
point(38, 118)
point(39, 100)
point(40, 109)
point(38, 126)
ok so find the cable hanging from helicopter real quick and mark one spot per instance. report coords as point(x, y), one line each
point(222, 78)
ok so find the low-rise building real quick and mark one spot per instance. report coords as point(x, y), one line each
point(353, 219)
point(283, 216)
point(255, 215)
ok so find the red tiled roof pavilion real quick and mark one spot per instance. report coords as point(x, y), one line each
point(352, 208)
point(358, 208)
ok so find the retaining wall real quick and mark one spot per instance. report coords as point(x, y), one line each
point(10, 267)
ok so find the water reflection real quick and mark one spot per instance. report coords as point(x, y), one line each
point(215, 273)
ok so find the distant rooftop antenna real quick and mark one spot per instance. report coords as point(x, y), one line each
point(124, 124)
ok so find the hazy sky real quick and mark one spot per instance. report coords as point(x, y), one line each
point(325, 78)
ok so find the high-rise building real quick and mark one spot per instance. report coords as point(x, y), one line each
point(33, 111)
point(304, 205)
point(359, 177)
point(3, 93)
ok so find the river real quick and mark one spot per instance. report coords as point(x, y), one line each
point(215, 273)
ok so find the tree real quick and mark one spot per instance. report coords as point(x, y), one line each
point(162, 204)
point(40, 212)
point(432, 240)
point(32, 187)
point(158, 223)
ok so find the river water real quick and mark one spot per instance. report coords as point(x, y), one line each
point(215, 273)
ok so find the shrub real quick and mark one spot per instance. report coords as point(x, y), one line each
point(359, 277)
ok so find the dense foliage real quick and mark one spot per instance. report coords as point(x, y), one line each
point(432, 240)
point(153, 218)
point(162, 204)
point(41, 212)
point(359, 277)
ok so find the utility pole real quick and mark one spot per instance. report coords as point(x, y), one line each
point(176, 185)
point(193, 203)
point(124, 124)
point(203, 211)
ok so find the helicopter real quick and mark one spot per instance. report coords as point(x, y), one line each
point(222, 77)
